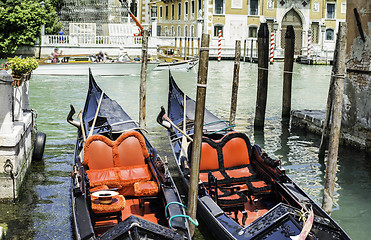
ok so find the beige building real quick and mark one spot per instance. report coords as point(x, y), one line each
point(240, 20)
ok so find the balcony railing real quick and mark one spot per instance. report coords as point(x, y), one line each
point(90, 40)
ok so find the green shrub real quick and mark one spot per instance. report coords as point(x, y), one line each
point(21, 66)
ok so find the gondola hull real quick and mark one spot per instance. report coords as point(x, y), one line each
point(145, 203)
point(276, 210)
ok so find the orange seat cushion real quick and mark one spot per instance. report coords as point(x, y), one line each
point(243, 172)
point(131, 174)
point(118, 204)
point(235, 153)
point(209, 157)
point(99, 188)
point(148, 188)
point(131, 148)
point(98, 152)
point(107, 177)
point(204, 177)
point(258, 187)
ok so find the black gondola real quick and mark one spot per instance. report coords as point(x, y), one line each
point(243, 193)
point(121, 189)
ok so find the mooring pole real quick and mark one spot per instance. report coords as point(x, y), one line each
point(198, 46)
point(175, 43)
point(328, 193)
point(189, 46)
point(287, 74)
point(185, 48)
point(199, 120)
point(143, 79)
point(236, 73)
point(330, 99)
point(180, 47)
point(263, 62)
point(193, 53)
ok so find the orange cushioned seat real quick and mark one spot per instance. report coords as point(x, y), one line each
point(117, 164)
point(258, 187)
point(117, 205)
point(98, 152)
point(236, 151)
point(131, 174)
point(107, 177)
point(209, 161)
point(148, 188)
point(131, 149)
point(99, 188)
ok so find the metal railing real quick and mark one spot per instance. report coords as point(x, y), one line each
point(56, 40)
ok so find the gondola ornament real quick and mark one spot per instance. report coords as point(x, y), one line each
point(70, 120)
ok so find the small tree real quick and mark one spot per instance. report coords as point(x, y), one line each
point(20, 22)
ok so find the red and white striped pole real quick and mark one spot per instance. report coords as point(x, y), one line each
point(271, 48)
point(220, 45)
point(309, 42)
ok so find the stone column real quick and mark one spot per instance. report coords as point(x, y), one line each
point(17, 104)
point(25, 98)
point(6, 99)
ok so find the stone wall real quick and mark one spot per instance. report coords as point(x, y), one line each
point(16, 124)
point(357, 90)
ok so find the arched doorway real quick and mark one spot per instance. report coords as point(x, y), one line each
point(292, 18)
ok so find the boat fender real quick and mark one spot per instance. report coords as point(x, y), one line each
point(39, 146)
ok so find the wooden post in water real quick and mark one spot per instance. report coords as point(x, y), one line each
point(189, 46)
point(236, 72)
point(175, 43)
point(331, 167)
point(251, 49)
point(185, 49)
point(193, 53)
point(263, 62)
point(180, 47)
point(143, 79)
point(198, 46)
point(330, 99)
point(199, 120)
point(287, 74)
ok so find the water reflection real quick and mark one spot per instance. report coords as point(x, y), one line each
point(44, 209)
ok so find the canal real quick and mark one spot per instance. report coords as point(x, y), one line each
point(43, 211)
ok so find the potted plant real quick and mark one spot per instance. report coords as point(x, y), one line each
point(22, 68)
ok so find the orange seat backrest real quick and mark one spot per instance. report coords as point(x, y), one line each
point(235, 153)
point(131, 149)
point(98, 152)
point(209, 157)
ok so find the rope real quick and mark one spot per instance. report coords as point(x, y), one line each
point(214, 122)
point(195, 222)
point(230, 126)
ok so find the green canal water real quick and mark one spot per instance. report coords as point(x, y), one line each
point(43, 211)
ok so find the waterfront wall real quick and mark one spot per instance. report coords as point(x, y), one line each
point(16, 124)
point(357, 90)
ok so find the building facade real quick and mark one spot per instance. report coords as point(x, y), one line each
point(240, 20)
